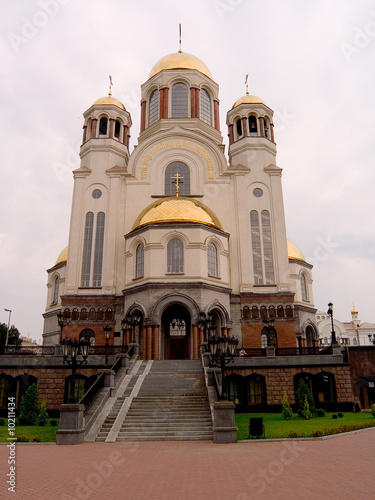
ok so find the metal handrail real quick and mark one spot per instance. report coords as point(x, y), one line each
point(89, 397)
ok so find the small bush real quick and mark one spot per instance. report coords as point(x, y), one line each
point(287, 410)
point(373, 410)
point(43, 415)
point(36, 440)
point(306, 413)
point(334, 416)
point(22, 439)
point(53, 423)
point(2, 421)
point(340, 415)
point(321, 412)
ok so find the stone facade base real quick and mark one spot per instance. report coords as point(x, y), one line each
point(224, 428)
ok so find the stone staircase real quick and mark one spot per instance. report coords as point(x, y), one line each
point(170, 405)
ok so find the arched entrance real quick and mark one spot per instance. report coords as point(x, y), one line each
point(176, 327)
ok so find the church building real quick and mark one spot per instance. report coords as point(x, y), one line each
point(180, 239)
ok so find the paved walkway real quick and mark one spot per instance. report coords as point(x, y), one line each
point(341, 468)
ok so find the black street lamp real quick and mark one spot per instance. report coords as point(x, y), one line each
point(333, 333)
point(129, 323)
point(227, 349)
point(206, 321)
point(71, 349)
point(107, 331)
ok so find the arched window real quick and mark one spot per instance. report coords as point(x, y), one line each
point(289, 312)
point(303, 286)
point(272, 312)
point(88, 334)
point(256, 248)
point(263, 312)
point(257, 389)
point(234, 385)
point(179, 100)
point(212, 260)
point(267, 248)
point(75, 314)
point(56, 290)
point(153, 112)
point(246, 313)
point(87, 246)
point(139, 261)
point(254, 312)
point(92, 314)
point(99, 243)
point(264, 340)
point(83, 314)
point(239, 127)
point(253, 126)
point(205, 107)
point(280, 311)
point(103, 126)
point(109, 314)
point(177, 167)
point(355, 342)
point(117, 129)
point(266, 128)
point(175, 256)
point(8, 388)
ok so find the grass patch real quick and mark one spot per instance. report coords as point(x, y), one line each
point(46, 434)
point(277, 427)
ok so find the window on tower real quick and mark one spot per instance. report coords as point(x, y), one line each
point(56, 290)
point(99, 242)
point(212, 260)
point(261, 242)
point(103, 126)
point(175, 256)
point(303, 286)
point(87, 247)
point(179, 100)
point(117, 129)
point(239, 127)
point(183, 171)
point(253, 127)
point(153, 115)
point(205, 107)
point(139, 261)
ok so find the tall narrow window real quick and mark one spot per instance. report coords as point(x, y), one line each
point(179, 100)
point(117, 129)
point(212, 260)
point(87, 246)
point(303, 287)
point(253, 128)
point(56, 290)
point(139, 261)
point(99, 242)
point(267, 248)
point(175, 256)
point(205, 107)
point(103, 126)
point(256, 390)
point(177, 167)
point(153, 115)
point(256, 248)
point(239, 127)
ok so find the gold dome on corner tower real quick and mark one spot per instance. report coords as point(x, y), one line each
point(295, 253)
point(63, 256)
point(109, 100)
point(248, 99)
point(177, 209)
point(180, 60)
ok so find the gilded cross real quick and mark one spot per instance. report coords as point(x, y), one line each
point(247, 84)
point(177, 178)
point(110, 86)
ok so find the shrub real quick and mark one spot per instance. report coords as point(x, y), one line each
point(303, 392)
point(53, 423)
point(29, 407)
point(22, 439)
point(340, 415)
point(2, 421)
point(43, 415)
point(306, 413)
point(334, 416)
point(287, 410)
point(373, 410)
point(36, 440)
point(321, 412)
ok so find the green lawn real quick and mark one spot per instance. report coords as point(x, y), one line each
point(277, 427)
point(45, 434)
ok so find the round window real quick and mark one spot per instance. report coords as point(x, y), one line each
point(96, 194)
point(258, 192)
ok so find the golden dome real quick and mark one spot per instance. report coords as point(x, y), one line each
point(180, 60)
point(173, 209)
point(248, 99)
point(63, 256)
point(295, 253)
point(109, 100)
point(354, 311)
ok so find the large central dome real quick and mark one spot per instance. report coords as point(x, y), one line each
point(180, 60)
point(173, 209)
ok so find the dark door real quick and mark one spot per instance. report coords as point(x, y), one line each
point(176, 326)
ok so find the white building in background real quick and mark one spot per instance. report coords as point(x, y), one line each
point(351, 333)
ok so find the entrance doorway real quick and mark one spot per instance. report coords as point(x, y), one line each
point(176, 327)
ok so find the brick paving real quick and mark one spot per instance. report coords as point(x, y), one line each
point(338, 468)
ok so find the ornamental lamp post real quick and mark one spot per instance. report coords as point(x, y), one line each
point(107, 331)
point(333, 333)
point(71, 349)
point(227, 348)
point(207, 322)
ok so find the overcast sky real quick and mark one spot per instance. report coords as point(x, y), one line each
point(312, 62)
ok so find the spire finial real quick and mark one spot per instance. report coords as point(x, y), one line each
point(247, 84)
point(110, 86)
point(176, 179)
point(179, 28)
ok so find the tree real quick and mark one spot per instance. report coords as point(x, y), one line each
point(303, 392)
point(43, 415)
point(14, 337)
point(287, 410)
point(29, 407)
point(305, 412)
